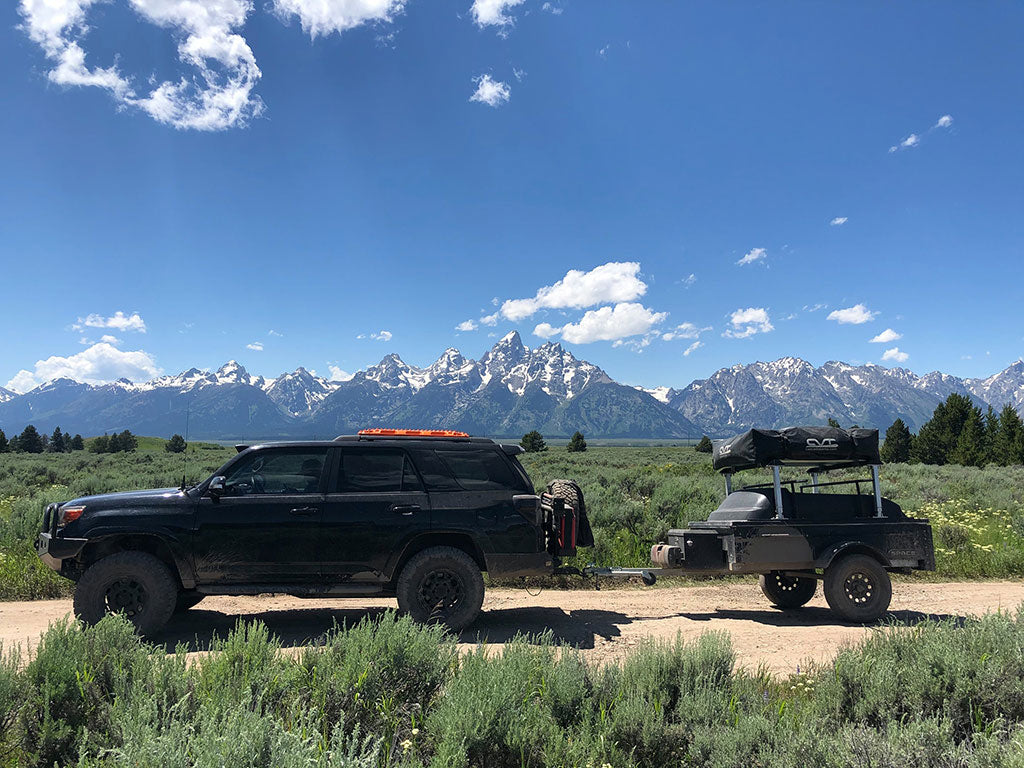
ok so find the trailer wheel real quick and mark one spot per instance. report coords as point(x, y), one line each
point(787, 591)
point(858, 588)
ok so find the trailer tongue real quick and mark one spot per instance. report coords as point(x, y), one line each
point(794, 534)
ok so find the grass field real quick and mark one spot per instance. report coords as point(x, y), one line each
point(388, 692)
point(634, 495)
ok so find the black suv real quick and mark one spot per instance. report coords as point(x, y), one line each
point(409, 516)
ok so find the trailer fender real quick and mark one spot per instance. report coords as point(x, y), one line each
point(826, 558)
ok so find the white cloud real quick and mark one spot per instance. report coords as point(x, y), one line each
point(466, 325)
point(603, 51)
point(858, 314)
point(214, 90)
point(492, 13)
point(339, 375)
point(108, 339)
point(552, 8)
point(814, 307)
point(689, 280)
point(886, 336)
point(895, 354)
point(98, 364)
point(605, 324)
point(322, 17)
point(272, 332)
point(381, 336)
point(692, 348)
point(490, 319)
point(119, 320)
point(911, 141)
point(256, 346)
point(838, 221)
point(748, 322)
point(754, 254)
point(684, 331)
point(614, 282)
point(944, 122)
point(489, 91)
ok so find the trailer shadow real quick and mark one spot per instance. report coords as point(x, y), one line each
point(812, 615)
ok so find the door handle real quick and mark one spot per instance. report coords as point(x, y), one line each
point(404, 509)
point(303, 511)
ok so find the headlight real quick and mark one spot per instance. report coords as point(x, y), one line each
point(69, 515)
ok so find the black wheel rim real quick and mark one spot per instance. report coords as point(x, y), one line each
point(859, 588)
point(786, 583)
point(441, 592)
point(126, 596)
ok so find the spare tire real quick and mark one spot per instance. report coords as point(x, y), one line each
point(572, 494)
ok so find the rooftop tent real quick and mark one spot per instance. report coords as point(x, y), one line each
point(809, 446)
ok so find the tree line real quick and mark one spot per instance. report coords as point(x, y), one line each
point(31, 441)
point(533, 442)
point(959, 432)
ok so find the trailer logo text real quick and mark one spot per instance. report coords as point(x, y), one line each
point(825, 444)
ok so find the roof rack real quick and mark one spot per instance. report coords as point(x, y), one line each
point(387, 434)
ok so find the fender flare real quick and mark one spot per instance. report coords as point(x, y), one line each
point(826, 558)
point(178, 553)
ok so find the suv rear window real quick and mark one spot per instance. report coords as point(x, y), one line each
point(481, 470)
point(377, 472)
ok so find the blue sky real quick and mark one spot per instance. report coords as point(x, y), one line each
point(334, 178)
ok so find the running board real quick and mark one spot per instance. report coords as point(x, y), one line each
point(296, 590)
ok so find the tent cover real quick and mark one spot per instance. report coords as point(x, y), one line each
point(812, 446)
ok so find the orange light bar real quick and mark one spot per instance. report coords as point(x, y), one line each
point(413, 433)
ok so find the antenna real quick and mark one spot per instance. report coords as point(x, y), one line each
point(184, 470)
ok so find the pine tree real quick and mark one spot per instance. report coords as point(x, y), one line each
point(114, 443)
point(704, 446)
point(1008, 445)
point(66, 447)
point(833, 423)
point(56, 441)
point(175, 445)
point(970, 444)
point(533, 442)
point(896, 448)
point(5, 446)
point(576, 443)
point(938, 437)
point(100, 444)
point(77, 443)
point(30, 441)
point(128, 442)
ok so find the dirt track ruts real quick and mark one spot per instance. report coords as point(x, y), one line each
point(604, 625)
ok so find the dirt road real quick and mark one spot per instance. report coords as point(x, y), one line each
point(603, 625)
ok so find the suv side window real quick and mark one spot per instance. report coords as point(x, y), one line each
point(481, 470)
point(436, 474)
point(277, 472)
point(377, 471)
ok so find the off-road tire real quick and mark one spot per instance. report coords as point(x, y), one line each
point(858, 588)
point(134, 583)
point(188, 599)
point(564, 489)
point(787, 591)
point(441, 585)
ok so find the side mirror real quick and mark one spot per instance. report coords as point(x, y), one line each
point(216, 487)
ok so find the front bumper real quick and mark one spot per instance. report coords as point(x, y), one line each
point(52, 550)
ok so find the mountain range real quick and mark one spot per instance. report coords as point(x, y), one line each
point(509, 391)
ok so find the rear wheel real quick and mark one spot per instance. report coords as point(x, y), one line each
point(441, 585)
point(787, 591)
point(135, 584)
point(858, 588)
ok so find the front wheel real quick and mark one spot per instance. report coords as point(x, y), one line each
point(787, 591)
point(858, 588)
point(441, 585)
point(135, 584)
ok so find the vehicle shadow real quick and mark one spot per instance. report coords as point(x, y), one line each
point(197, 629)
point(813, 615)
